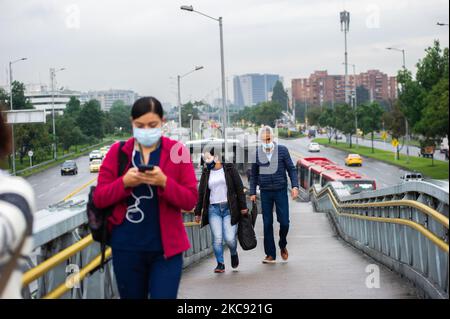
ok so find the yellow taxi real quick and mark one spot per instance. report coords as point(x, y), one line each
point(353, 159)
point(94, 165)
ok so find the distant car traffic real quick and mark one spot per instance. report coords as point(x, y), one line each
point(96, 154)
point(313, 147)
point(353, 159)
point(312, 133)
point(337, 136)
point(104, 150)
point(69, 168)
point(94, 165)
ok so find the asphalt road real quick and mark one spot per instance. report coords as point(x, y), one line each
point(384, 174)
point(50, 187)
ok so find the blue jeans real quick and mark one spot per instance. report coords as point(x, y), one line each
point(280, 199)
point(220, 223)
point(140, 274)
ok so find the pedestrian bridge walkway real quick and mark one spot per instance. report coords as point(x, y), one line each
point(388, 243)
point(320, 265)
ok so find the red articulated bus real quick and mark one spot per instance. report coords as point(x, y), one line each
point(320, 170)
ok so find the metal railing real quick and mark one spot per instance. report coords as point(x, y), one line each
point(65, 262)
point(404, 227)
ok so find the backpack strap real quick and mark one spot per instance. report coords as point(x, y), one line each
point(122, 162)
point(123, 159)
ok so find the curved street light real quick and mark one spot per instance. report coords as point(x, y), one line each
point(190, 8)
point(179, 77)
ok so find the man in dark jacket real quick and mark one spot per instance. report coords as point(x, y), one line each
point(269, 172)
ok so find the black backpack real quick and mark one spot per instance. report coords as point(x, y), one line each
point(98, 218)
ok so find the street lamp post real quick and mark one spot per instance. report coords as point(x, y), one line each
point(222, 69)
point(52, 81)
point(11, 106)
point(179, 77)
point(406, 119)
point(345, 27)
point(354, 102)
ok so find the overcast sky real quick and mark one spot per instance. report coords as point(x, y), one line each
point(141, 44)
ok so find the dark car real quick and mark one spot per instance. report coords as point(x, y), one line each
point(69, 168)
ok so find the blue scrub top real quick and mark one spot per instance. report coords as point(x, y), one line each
point(140, 230)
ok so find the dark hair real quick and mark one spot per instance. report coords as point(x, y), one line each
point(214, 151)
point(5, 137)
point(146, 105)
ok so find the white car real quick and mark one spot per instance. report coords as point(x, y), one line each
point(95, 155)
point(314, 147)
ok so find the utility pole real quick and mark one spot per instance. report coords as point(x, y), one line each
point(345, 27)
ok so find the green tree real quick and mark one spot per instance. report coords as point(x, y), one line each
point(328, 120)
point(91, 119)
point(120, 116)
point(433, 67)
point(20, 102)
point(314, 115)
point(279, 95)
point(32, 137)
point(434, 122)
point(369, 119)
point(73, 107)
point(394, 121)
point(187, 109)
point(69, 134)
point(267, 112)
point(345, 120)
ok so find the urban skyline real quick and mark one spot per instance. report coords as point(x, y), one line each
point(145, 53)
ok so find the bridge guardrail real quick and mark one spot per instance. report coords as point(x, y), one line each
point(404, 227)
point(65, 260)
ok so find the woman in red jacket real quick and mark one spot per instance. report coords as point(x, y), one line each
point(147, 232)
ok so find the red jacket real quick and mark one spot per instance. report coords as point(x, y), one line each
point(179, 194)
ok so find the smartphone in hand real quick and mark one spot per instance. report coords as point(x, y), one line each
point(143, 168)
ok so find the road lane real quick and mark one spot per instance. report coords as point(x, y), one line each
point(50, 187)
point(384, 174)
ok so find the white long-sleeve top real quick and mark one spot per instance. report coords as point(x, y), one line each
point(17, 205)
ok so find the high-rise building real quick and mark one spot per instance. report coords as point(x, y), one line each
point(107, 98)
point(251, 89)
point(322, 88)
point(41, 98)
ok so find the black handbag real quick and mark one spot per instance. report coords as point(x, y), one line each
point(246, 233)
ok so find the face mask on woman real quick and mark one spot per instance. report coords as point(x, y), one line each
point(147, 136)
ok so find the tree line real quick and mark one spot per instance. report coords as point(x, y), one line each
point(422, 104)
point(80, 124)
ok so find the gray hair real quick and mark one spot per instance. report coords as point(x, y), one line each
point(265, 130)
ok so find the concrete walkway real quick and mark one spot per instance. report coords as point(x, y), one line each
point(320, 265)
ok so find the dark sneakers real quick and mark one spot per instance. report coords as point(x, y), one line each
point(234, 261)
point(220, 268)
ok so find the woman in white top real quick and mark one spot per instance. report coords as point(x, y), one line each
point(221, 203)
point(16, 218)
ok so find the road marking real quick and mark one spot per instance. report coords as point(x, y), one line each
point(39, 196)
point(34, 185)
point(79, 189)
point(296, 154)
